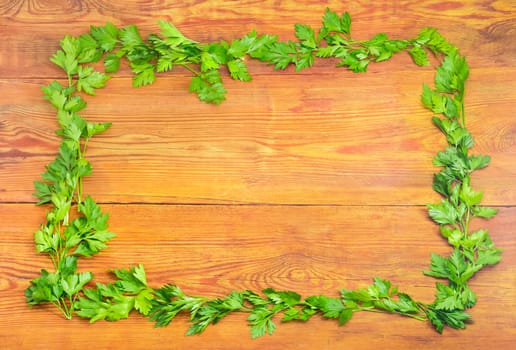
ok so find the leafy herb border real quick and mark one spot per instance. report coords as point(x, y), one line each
point(66, 237)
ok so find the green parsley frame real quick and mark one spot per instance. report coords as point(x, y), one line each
point(65, 238)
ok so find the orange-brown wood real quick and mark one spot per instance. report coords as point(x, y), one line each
point(311, 181)
point(209, 250)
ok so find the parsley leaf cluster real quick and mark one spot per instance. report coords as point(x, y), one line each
point(472, 250)
point(77, 227)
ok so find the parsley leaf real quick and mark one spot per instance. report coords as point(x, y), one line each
point(144, 74)
point(306, 35)
point(115, 301)
point(214, 310)
point(238, 70)
point(330, 308)
point(67, 57)
point(112, 63)
point(333, 23)
point(170, 300)
point(106, 36)
point(89, 80)
point(208, 87)
point(173, 37)
point(443, 213)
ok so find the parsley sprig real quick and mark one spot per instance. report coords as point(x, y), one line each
point(262, 309)
point(62, 237)
point(472, 250)
point(77, 227)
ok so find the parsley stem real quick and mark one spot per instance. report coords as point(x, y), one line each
point(79, 191)
point(417, 317)
point(463, 112)
point(54, 261)
point(185, 65)
point(63, 307)
point(80, 156)
point(466, 222)
point(85, 146)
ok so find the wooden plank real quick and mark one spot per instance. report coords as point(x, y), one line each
point(480, 28)
point(279, 139)
point(210, 250)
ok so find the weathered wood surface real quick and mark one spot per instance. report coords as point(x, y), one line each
point(311, 181)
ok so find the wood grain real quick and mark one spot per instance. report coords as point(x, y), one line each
point(208, 250)
point(264, 146)
point(311, 181)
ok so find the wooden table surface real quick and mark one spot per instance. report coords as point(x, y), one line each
point(312, 181)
